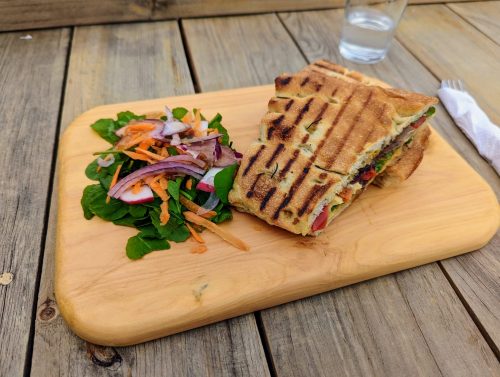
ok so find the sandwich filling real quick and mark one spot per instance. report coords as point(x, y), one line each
point(367, 174)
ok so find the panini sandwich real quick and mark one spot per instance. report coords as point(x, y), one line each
point(401, 167)
point(323, 140)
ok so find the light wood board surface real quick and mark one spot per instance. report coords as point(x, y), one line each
point(120, 75)
point(98, 288)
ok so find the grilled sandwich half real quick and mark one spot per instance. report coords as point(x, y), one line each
point(323, 140)
point(402, 167)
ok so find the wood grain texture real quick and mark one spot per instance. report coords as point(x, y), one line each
point(483, 15)
point(454, 49)
point(35, 14)
point(317, 34)
point(361, 330)
point(32, 74)
point(93, 274)
point(135, 61)
point(244, 58)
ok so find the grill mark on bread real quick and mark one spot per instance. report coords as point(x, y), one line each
point(253, 159)
point(275, 154)
point(303, 111)
point(268, 196)
point(289, 164)
point(289, 104)
point(304, 81)
point(320, 114)
point(346, 137)
point(292, 190)
point(305, 139)
point(276, 122)
point(367, 137)
point(318, 86)
point(283, 81)
point(315, 192)
point(252, 188)
point(330, 129)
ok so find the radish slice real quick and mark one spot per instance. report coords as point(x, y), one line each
point(207, 182)
point(209, 205)
point(145, 195)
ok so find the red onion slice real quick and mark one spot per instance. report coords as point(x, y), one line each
point(209, 205)
point(174, 127)
point(165, 166)
point(176, 140)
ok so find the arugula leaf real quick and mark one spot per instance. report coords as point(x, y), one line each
point(106, 129)
point(126, 221)
point(215, 124)
point(137, 211)
point(172, 151)
point(125, 117)
point(223, 214)
point(94, 201)
point(140, 245)
point(149, 231)
point(223, 182)
point(430, 112)
point(173, 230)
point(89, 194)
point(179, 112)
point(174, 187)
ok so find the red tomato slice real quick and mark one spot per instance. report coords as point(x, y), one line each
point(418, 122)
point(321, 220)
point(367, 175)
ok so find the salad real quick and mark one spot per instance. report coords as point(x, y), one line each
point(169, 177)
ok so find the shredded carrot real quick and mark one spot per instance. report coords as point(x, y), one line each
point(137, 187)
point(189, 184)
point(195, 234)
point(187, 118)
point(199, 249)
point(139, 127)
point(113, 181)
point(197, 123)
point(155, 186)
point(163, 183)
point(98, 168)
point(145, 144)
point(137, 156)
point(150, 154)
point(222, 233)
point(193, 207)
point(163, 152)
point(346, 194)
point(164, 215)
point(134, 141)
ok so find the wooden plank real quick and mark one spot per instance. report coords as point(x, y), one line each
point(32, 74)
point(246, 58)
point(452, 48)
point(386, 326)
point(474, 276)
point(409, 323)
point(483, 15)
point(135, 62)
point(200, 8)
point(34, 14)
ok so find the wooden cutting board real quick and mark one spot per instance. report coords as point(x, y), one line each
point(443, 210)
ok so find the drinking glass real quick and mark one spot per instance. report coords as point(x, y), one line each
point(369, 26)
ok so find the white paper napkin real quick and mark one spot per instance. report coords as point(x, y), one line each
point(484, 134)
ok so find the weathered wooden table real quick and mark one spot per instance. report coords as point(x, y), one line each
point(438, 319)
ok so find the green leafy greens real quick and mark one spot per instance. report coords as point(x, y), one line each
point(145, 217)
